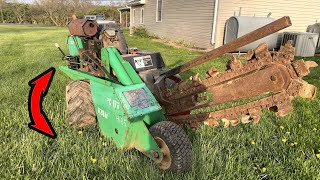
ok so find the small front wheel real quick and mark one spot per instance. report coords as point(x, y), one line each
point(175, 145)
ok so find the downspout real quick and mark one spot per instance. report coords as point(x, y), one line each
point(214, 24)
point(130, 27)
point(120, 16)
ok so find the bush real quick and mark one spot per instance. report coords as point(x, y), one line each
point(142, 32)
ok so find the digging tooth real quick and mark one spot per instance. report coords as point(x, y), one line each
point(249, 55)
point(261, 50)
point(256, 119)
point(308, 91)
point(203, 98)
point(234, 122)
point(302, 67)
point(196, 77)
point(183, 86)
point(212, 122)
point(284, 109)
point(286, 53)
point(196, 80)
point(288, 44)
point(245, 119)
point(226, 122)
point(310, 64)
point(212, 72)
point(235, 63)
point(255, 114)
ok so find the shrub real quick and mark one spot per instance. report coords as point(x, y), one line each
point(142, 32)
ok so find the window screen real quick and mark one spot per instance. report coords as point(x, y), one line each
point(159, 10)
point(142, 16)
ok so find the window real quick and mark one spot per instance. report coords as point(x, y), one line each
point(133, 16)
point(142, 16)
point(159, 11)
point(101, 17)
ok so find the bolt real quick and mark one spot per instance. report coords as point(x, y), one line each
point(273, 78)
point(155, 154)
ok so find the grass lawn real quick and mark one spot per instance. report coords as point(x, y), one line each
point(244, 152)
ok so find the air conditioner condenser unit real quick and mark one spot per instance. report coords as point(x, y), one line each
point(304, 42)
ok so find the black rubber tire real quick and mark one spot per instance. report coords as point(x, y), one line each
point(180, 146)
point(80, 109)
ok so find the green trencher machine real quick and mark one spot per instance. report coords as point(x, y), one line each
point(138, 103)
point(124, 111)
point(107, 88)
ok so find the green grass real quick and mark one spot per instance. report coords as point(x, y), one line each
point(219, 153)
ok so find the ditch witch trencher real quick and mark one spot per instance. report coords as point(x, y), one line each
point(139, 103)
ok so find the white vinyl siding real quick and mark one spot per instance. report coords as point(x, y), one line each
point(192, 20)
point(182, 20)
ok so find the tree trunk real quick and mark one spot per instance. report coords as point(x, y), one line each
point(2, 18)
point(50, 16)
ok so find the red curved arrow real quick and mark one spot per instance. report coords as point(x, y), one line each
point(39, 88)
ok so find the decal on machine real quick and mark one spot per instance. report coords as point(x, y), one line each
point(113, 103)
point(122, 120)
point(143, 61)
point(103, 113)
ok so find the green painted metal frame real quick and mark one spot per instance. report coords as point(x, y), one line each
point(127, 126)
point(74, 44)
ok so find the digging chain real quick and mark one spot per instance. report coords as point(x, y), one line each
point(286, 83)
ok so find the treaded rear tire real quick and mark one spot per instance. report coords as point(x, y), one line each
point(181, 151)
point(80, 109)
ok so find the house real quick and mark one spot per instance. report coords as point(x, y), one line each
point(202, 22)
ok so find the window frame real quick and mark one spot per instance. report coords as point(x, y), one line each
point(142, 16)
point(134, 16)
point(157, 11)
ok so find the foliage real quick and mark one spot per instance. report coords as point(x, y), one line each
point(242, 152)
point(142, 32)
point(111, 13)
point(59, 11)
point(185, 43)
point(52, 12)
point(14, 13)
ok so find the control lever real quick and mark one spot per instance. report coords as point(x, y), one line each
point(63, 54)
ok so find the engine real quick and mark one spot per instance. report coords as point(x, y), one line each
point(86, 40)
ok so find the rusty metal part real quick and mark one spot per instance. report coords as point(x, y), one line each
point(273, 74)
point(83, 27)
point(93, 65)
point(110, 39)
point(244, 40)
point(280, 103)
point(307, 91)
